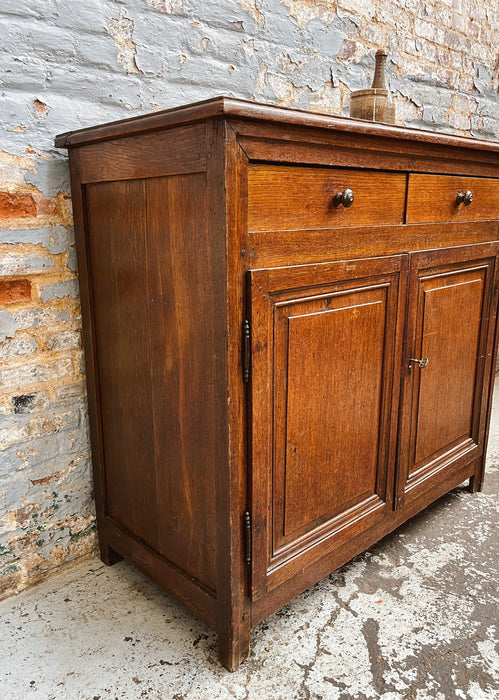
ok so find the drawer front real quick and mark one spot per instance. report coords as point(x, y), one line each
point(282, 198)
point(433, 198)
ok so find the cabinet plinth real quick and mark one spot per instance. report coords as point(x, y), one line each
point(290, 338)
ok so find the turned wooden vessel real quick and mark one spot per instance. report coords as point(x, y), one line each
point(374, 103)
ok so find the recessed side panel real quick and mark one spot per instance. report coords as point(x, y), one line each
point(187, 394)
point(117, 244)
point(154, 320)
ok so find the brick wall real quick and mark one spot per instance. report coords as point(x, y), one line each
point(65, 65)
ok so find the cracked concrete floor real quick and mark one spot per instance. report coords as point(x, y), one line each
point(414, 617)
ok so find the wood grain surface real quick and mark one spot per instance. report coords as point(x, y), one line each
point(322, 455)
point(443, 417)
point(176, 152)
point(432, 198)
point(286, 197)
point(151, 302)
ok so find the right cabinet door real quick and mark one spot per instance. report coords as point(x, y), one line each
point(449, 346)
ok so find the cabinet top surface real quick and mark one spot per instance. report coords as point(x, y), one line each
point(242, 109)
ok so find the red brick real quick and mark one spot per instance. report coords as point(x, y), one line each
point(474, 30)
point(41, 108)
point(12, 291)
point(16, 206)
point(47, 206)
point(442, 56)
point(347, 50)
point(456, 41)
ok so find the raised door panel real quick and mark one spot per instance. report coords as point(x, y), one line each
point(444, 416)
point(325, 343)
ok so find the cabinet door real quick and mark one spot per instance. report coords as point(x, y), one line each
point(323, 409)
point(445, 396)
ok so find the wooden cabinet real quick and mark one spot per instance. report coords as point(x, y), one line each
point(289, 325)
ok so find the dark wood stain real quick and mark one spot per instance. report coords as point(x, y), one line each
point(118, 273)
point(193, 221)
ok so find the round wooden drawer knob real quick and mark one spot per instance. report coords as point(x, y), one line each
point(344, 198)
point(464, 198)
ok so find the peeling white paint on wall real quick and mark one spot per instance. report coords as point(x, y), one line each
point(66, 65)
point(167, 6)
point(122, 31)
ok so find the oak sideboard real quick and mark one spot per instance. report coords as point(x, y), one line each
point(290, 336)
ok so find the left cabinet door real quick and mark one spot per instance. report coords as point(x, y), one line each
point(325, 370)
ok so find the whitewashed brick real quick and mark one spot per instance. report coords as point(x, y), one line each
point(92, 62)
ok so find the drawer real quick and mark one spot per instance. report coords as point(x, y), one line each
point(282, 198)
point(433, 198)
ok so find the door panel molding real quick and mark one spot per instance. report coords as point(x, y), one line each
point(443, 419)
point(322, 457)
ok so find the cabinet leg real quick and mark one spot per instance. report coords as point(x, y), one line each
point(476, 481)
point(233, 648)
point(108, 555)
point(475, 484)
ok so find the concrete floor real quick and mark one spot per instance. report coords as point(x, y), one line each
point(415, 617)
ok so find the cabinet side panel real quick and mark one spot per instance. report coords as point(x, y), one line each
point(184, 395)
point(155, 345)
point(117, 242)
